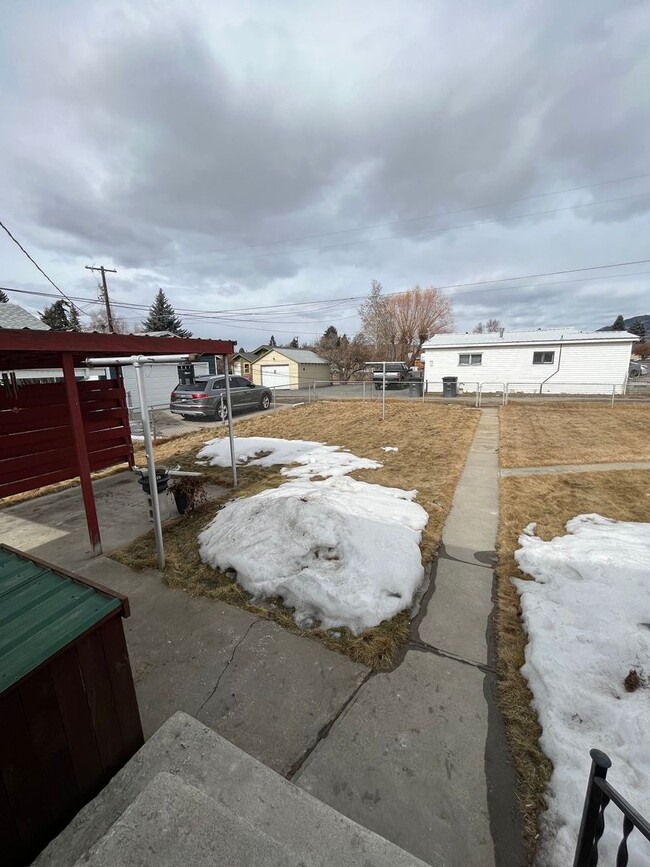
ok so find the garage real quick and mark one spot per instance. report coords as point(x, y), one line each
point(276, 376)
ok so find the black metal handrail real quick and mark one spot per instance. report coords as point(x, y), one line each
point(592, 826)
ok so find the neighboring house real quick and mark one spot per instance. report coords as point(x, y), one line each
point(14, 316)
point(290, 368)
point(558, 361)
point(241, 364)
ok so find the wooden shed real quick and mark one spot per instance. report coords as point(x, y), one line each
point(283, 367)
point(68, 707)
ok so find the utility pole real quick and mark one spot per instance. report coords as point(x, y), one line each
point(107, 303)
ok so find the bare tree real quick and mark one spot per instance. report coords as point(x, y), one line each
point(346, 356)
point(98, 322)
point(491, 326)
point(374, 316)
point(413, 317)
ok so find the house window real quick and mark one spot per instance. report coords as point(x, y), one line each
point(466, 358)
point(247, 368)
point(543, 357)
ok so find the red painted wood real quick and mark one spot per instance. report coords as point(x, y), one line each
point(38, 394)
point(28, 466)
point(9, 489)
point(119, 669)
point(32, 418)
point(109, 418)
point(9, 837)
point(83, 464)
point(35, 441)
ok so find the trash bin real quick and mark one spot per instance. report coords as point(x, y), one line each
point(449, 386)
point(415, 388)
point(162, 480)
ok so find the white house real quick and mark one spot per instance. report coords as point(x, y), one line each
point(561, 361)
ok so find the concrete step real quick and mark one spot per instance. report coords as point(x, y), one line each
point(171, 824)
point(315, 834)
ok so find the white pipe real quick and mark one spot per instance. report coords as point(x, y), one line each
point(151, 464)
point(233, 461)
point(137, 359)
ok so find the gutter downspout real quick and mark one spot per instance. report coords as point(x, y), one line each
point(557, 369)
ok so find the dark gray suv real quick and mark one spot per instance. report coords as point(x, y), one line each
point(206, 398)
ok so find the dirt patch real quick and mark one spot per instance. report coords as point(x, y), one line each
point(551, 501)
point(432, 443)
point(544, 435)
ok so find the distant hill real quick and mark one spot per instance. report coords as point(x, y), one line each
point(644, 317)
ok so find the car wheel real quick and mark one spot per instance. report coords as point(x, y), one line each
point(634, 373)
point(221, 412)
point(265, 403)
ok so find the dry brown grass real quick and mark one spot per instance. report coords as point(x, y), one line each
point(547, 434)
point(551, 501)
point(433, 442)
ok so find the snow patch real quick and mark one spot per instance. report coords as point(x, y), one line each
point(587, 615)
point(389, 449)
point(341, 552)
point(313, 458)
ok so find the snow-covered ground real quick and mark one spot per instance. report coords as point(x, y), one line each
point(313, 459)
point(339, 551)
point(588, 619)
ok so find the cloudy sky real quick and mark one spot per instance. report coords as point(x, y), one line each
point(250, 154)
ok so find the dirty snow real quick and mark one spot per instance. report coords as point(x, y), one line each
point(313, 458)
point(342, 552)
point(588, 619)
point(389, 449)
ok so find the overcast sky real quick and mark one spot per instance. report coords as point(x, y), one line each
point(237, 154)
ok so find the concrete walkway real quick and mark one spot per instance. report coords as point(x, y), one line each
point(419, 754)
point(575, 468)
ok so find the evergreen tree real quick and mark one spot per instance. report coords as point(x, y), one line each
point(55, 316)
point(295, 343)
point(73, 319)
point(619, 324)
point(162, 317)
point(272, 341)
point(637, 328)
point(4, 298)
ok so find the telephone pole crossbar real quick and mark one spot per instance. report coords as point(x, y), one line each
point(107, 303)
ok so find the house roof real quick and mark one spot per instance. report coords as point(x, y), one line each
point(15, 316)
point(30, 348)
point(544, 337)
point(301, 356)
point(247, 356)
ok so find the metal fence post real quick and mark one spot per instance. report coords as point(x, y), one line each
point(274, 397)
point(613, 395)
point(478, 394)
point(593, 823)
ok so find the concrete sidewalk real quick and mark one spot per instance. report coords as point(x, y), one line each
point(419, 755)
point(558, 469)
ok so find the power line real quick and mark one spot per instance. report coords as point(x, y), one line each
point(34, 262)
point(200, 256)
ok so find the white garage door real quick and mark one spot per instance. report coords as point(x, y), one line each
point(276, 375)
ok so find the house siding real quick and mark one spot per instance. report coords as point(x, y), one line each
point(159, 380)
point(574, 367)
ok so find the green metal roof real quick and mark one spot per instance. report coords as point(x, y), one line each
point(41, 611)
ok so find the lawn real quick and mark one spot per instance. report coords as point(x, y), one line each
point(548, 434)
point(550, 501)
point(432, 443)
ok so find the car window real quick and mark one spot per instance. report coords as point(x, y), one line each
point(218, 384)
point(240, 382)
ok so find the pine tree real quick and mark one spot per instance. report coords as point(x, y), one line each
point(162, 317)
point(73, 319)
point(295, 343)
point(637, 328)
point(619, 324)
point(4, 298)
point(272, 341)
point(56, 317)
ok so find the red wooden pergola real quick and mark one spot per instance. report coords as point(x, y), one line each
point(56, 431)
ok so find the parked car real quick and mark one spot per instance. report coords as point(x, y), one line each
point(398, 375)
point(638, 369)
point(206, 398)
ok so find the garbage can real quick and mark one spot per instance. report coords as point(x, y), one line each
point(449, 386)
point(415, 388)
point(162, 481)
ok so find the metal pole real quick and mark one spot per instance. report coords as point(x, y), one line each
point(424, 388)
point(383, 394)
point(363, 390)
point(613, 395)
point(230, 433)
point(151, 464)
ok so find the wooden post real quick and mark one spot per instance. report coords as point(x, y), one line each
point(81, 451)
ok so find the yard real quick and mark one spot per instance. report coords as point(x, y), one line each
point(544, 436)
point(431, 442)
point(535, 435)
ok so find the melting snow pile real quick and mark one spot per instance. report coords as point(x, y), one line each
point(339, 551)
point(588, 619)
point(314, 459)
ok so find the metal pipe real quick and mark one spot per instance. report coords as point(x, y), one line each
point(233, 461)
point(137, 359)
point(151, 464)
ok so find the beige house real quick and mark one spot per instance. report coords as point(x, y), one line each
point(291, 368)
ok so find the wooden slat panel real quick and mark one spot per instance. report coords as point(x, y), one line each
point(109, 451)
point(109, 418)
point(8, 490)
point(9, 837)
point(119, 669)
point(78, 723)
point(90, 385)
point(50, 745)
point(34, 441)
point(93, 407)
point(42, 394)
point(100, 701)
point(33, 418)
point(109, 435)
point(90, 397)
point(28, 465)
point(20, 771)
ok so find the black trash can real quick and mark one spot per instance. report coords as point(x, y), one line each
point(449, 386)
point(415, 388)
point(162, 481)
